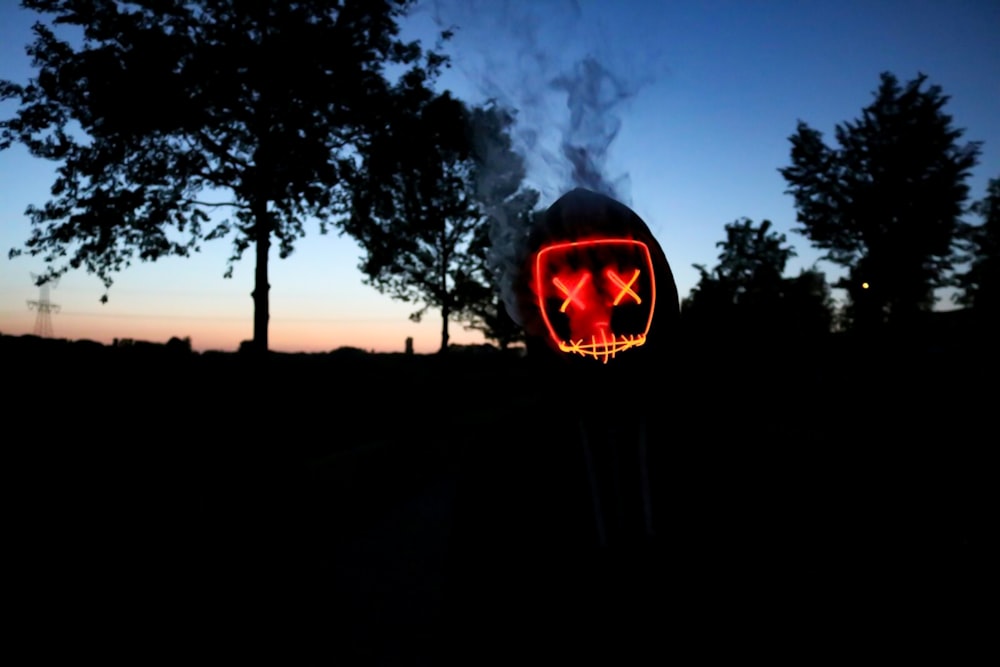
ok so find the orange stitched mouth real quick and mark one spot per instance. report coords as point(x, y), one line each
point(601, 347)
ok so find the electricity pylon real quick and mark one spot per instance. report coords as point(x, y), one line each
point(45, 308)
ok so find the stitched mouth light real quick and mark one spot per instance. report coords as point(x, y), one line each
point(596, 296)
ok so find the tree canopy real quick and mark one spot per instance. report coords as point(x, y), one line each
point(422, 212)
point(162, 114)
point(885, 203)
point(980, 285)
point(750, 267)
point(746, 293)
point(492, 317)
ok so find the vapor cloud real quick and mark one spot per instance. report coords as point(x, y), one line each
point(551, 63)
point(555, 66)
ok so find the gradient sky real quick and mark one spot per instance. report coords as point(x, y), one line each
point(707, 95)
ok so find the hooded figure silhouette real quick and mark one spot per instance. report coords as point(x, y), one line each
point(595, 284)
point(558, 522)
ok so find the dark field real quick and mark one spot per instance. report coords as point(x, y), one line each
point(831, 500)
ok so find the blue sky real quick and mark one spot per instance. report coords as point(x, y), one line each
point(709, 93)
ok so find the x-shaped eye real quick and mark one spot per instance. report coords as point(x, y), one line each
point(624, 285)
point(572, 294)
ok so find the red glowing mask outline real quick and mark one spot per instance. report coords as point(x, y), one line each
point(591, 335)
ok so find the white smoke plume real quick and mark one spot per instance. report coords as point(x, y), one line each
point(593, 97)
point(554, 65)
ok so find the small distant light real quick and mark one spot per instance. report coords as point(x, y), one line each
point(864, 285)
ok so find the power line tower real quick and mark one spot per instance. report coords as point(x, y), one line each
point(45, 308)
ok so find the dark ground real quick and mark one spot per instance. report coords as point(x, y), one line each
point(391, 510)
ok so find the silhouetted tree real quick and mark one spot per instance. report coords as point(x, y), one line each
point(179, 345)
point(421, 209)
point(503, 199)
point(981, 283)
point(491, 317)
point(808, 309)
point(747, 296)
point(747, 279)
point(885, 204)
point(158, 113)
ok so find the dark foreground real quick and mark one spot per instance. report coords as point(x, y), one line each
point(408, 510)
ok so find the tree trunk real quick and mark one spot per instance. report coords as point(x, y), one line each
point(446, 300)
point(445, 314)
point(261, 290)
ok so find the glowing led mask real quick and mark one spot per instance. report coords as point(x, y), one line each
point(596, 296)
